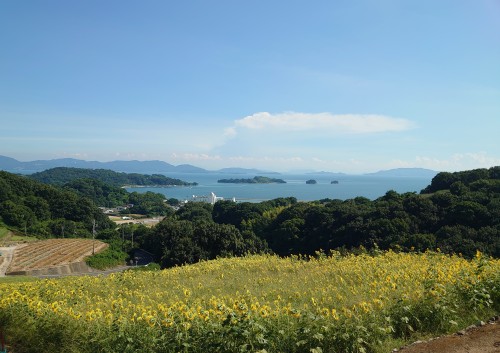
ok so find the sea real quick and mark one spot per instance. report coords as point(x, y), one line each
point(348, 187)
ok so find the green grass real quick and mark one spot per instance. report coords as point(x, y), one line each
point(8, 235)
point(22, 238)
point(3, 232)
point(17, 279)
point(111, 257)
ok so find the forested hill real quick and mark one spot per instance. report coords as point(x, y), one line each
point(104, 188)
point(45, 210)
point(63, 175)
point(474, 180)
point(460, 216)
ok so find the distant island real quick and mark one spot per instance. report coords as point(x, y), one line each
point(254, 180)
point(334, 182)
point(311, 181)
point(63, 175)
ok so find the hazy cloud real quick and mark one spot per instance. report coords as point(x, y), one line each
point(322, 122)
point(266, 159)
point(229, 132)
point(458, 161)
point(192, 157)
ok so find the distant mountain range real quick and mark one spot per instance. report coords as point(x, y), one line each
point(150, 167)
point(406, 172)
point(143, 167)
point(11, 164)
point(326, 173)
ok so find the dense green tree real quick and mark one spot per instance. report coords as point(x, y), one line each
point(195, 212)
point(39, 206)
point(417, 242)
point(149, 203)
point(494, 172)
point(6, 192)
point(422, 213)
point(17, 215)
point(468, 213)
point(458, 239)
point(100, 193)
point(442, 181)
point(32, 206)
point(175, 242)
point(285, 238)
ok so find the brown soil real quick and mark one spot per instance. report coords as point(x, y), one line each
point(52, 253)
point(478, 339)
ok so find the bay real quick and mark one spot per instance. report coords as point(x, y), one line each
point(348, 187)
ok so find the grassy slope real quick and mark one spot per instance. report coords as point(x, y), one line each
point(6, 235)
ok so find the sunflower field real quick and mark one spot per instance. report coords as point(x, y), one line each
point(258, 303)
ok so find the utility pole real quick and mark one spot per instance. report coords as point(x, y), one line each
point(123, 235)
point(93, 236)
point(25, 222)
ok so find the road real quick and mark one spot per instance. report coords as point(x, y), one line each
point(7, 253)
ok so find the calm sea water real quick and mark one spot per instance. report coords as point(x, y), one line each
point(349, 186)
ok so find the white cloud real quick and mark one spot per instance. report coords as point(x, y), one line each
point(194, 157)
point(266, 159)
point(323, 122)
point(229, 132)
point(318, 160)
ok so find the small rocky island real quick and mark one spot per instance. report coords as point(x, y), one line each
point(311, 181)
point(334, 182)
point(254, 180)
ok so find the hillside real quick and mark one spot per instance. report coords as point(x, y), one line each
point(43, 210)
point(63, 175)
point(461, 182)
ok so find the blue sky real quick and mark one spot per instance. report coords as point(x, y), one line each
point(351, 86)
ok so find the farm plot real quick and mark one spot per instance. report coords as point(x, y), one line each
point(52, 253)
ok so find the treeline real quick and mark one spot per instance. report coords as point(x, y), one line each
point(62, 175)
point(459, 216)
point(105, 195)
point(196, 232)
point(105, 188)
point(47, 211)
point(464, 181)
point(457, 213)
